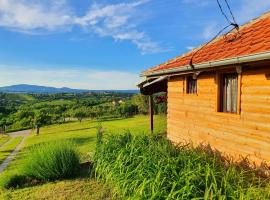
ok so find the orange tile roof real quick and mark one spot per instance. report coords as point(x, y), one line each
point(254, 37)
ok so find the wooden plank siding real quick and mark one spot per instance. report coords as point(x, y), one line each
point(193, 118)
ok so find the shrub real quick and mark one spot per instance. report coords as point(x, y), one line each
point(142, 167)
point(51, 161)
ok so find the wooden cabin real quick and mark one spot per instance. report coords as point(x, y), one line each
point(219, 94)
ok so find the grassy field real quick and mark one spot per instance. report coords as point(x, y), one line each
point(54, 103)
point(8, 148)
point(84, 136)
point(3, 139)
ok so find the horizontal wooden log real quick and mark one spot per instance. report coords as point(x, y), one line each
point(195, 118)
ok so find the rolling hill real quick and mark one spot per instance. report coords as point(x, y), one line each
point(24, 88)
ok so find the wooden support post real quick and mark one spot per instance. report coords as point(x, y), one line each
point(151, 113)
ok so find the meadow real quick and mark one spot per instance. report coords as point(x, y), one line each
point(83, 135)
point(120, 161)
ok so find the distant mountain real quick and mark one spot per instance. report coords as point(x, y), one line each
point(24, 88)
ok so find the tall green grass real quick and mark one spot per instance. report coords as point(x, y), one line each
point(51, 161)
point(44, 162)
point(142, 167)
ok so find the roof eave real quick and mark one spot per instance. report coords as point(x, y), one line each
point(211, 64)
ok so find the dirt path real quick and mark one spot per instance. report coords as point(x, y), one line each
point(20, 133)
point(16, 150)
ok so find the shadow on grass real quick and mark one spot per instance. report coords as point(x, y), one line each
point(84, 171)
point(7, 151)
point(82, 140)
point(112, 119)
point(81, 129)
point(20, 181)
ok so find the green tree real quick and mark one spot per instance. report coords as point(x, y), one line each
point(127, 110)
point(25, 117)
point(141, 101)
point(80, 113)
point(41, 118)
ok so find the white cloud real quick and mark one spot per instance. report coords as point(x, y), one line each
point(210, 30)
point(109, 20)
point(116, 21)
point(190, 48)
point(22, 16)
point(251, 9)
point(73, 78)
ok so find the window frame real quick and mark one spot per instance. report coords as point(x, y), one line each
point(193, 91)
point(227, 106)
point(219, 80)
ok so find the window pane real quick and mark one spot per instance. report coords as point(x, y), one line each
point(191, 85)
point(229, 94)
point(234, 94)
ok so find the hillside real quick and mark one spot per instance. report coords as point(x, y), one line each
point(24, 88)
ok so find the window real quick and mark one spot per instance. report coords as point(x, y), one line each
point(229, 93)
point(191, 85)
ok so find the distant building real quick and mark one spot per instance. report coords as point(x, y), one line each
point(121, 102)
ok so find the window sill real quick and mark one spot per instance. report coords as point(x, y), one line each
point(224, 114)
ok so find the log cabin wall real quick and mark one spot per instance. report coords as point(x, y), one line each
point(193, 118)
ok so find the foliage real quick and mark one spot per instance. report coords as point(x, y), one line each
point(51, 161)
point(25, 111)
point(141, 102)
point(127, 110)
point(44, 162)
point(80, 113)
point(142, 167)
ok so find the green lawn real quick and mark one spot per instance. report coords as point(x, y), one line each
point(9, 148)
point(3, 139)
point(84, 135)
point(27, 97)
point(54, 102)
point(76, 189)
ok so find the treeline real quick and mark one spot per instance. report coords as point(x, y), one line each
point(45, 109)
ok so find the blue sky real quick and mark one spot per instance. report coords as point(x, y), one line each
point(102, 44)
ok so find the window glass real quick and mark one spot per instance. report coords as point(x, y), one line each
point(191, 85)
point(229, 92)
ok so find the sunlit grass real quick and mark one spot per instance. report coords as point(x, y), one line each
point(84, 136)
point(142, 167)
point(75, 189)
point(3, 139)
point(8, 148)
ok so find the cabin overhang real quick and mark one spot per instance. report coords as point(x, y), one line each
point(153, 85)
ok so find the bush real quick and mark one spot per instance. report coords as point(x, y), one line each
point(51, 161)
point(142, 167)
